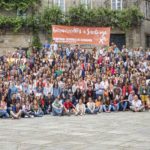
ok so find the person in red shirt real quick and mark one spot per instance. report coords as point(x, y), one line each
point(126, 90)
point(42, 104)
point(100, 60)
point(69, 108)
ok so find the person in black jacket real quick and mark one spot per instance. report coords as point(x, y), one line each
point(49, 99)
point(90, 92)
point(78, 94)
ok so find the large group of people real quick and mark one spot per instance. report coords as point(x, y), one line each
point(69, 80)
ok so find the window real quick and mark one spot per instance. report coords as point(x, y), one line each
point(148, 41)
point(147, 9)
point(87, 3)
point(60, 3)
point(116, 4)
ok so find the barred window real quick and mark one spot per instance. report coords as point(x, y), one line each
point(60, 3)
point(116, 4)
point(87, 3)
point(147, 14)
point(148, 41)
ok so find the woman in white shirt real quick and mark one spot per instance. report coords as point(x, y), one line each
point(80, 108)
point(136, 105)
point(75, 86)
point(91, 107)
point(47, 89)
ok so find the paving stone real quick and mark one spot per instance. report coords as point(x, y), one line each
point(114, 131)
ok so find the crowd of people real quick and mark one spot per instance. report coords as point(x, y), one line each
point(69, 80)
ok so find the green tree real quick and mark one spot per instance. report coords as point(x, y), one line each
point(78, 15)
point(36, 43)
point(50, 16)
point(130, 17)
point(17, 4)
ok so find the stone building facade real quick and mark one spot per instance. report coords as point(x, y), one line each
point(132, 38)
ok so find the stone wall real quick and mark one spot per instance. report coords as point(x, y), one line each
point(145, 30)
point(134, 38)
point(10, 41)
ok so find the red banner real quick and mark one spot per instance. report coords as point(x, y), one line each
point(81, 35)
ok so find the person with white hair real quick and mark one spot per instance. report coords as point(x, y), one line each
point(136, 105)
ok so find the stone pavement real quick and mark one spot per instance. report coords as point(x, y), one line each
point(114, 131)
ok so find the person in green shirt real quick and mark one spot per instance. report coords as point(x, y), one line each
point(57, 108)
point(59, 72)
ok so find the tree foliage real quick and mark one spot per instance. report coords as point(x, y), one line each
point(50, 16)
point(36, 43)
point(100, 17)
point(124, 19)
point(17, 4)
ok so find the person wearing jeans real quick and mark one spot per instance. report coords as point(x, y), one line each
point(99, 104)
point(3, 109)
point(122, 104)
point(69, 108)
point(57, 108)
point(56, 90)
point(108, 106)
point(99, 88)
point(4, 114)
point(136, 105)
point(80, 108)
point(16, 111)
point(36, 109)
point(26, 110)
point(91, 107)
